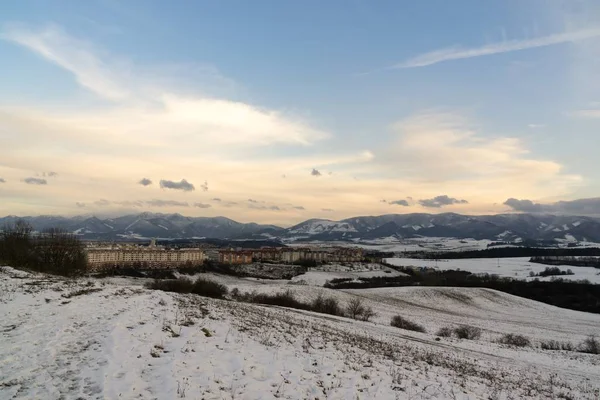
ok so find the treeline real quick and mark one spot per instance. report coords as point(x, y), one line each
point(575, 295)
point(505, 252)
point(53, 251)
point(572, 260)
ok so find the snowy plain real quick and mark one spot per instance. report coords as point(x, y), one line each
point(113, 339)
point(515, 267)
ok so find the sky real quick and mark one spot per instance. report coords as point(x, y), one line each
point(276, 112)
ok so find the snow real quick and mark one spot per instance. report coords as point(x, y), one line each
point(576, 223)
point(318, 277)
point(565, 227)
point(123, 341)
point(164, 227)
point(320, 226)
point(515, 267)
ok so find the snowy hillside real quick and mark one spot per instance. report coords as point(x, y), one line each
point(113, 339)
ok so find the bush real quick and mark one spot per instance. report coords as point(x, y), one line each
point(444, 332)
point(181, 285)
point(556, 345)
point(327, 305)
point(467, 332)
point(367, 314)
point(207, 288)
point(202, 287)
point(402, 323)
point(284, 299)
point(515, 340)
point(590, 345)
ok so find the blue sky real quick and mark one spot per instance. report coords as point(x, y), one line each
point(388, 101)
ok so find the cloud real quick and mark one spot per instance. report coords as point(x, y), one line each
point(173, 107)
point(252, 201)
point(80, 205)
point(216, 199)
point(315, 172)
point(204, 186)
point(274, 208)
point(441, 201)
point(145, 182)
point(445, 150)
point(71, 54)
point(35, 181)
point(2, 180)
point(456, 53)
point(202, 205)
point(400, 203)
point(327, 209)
point(524, 205)
point(129, 203)
point(181, 185)
point(589, 113)
point(588, 206)
point(536, 126)
point(50, 174)
point(166, 203)
point(299, 208)
point(102, 203)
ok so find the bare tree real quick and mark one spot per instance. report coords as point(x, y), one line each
point(355, 308)
point(60, 252)
point(15, 244)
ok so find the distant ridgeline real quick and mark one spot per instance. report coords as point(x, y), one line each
point(505, 252)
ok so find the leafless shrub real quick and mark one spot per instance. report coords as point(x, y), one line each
point(355, 308)
point(367, 314)
point(327, 305)
point(515, 340)
point(80, 292)
point(556, 345)
point(468, 332)
point(444, 332)
point(590, 345)
point(201, 286)
point(402, 323)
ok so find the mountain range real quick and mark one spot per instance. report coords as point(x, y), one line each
point(502, 227)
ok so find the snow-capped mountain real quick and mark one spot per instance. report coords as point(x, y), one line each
point(504, 227)
point(146, 225)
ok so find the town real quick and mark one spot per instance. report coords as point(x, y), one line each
point(109, 256)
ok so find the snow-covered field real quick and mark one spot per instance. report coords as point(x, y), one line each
point(318, 277)
point(430, 244)
point(517, 267)
point(114, 339)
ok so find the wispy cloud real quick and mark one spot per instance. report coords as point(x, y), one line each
point(202, 205)
point(80, 205)
point(589, 113)
point(2, 180)
point(315, 172)
point(166, 203)
point(457, 53)
point(145, 182)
